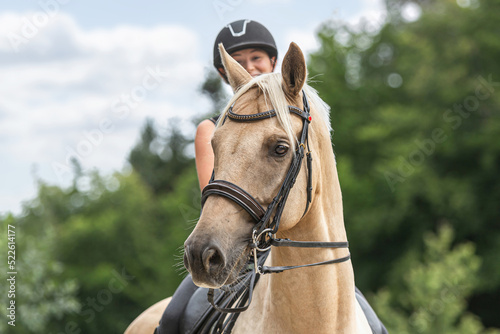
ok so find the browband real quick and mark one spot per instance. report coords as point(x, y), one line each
point(266, 114)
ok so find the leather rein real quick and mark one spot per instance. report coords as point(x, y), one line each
point(264, 232)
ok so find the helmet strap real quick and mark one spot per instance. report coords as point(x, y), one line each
point(273, 62)
point(223, 74)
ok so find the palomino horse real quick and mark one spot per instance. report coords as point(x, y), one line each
point(258, 156)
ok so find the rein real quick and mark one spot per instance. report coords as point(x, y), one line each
point(264, 232)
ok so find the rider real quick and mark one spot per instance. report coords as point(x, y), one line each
point(253, 46)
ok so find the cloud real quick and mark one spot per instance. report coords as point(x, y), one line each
point(305, 38)
point(68, 91)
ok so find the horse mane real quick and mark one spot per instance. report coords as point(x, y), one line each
point(271, 86)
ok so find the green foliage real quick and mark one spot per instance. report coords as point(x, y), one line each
point(415, 109)
point(97, 254)
point(159, 159)
point(432, 295)
point(42, 294)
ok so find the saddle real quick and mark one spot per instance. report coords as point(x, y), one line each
point(190, 312)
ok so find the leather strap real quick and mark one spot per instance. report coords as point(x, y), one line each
point(247, 297)
point(236, 194)
point(299, 244)
point(307, 244)
point(275, 270)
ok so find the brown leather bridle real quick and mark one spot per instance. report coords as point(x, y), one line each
point(263, 234)
point(247, 201)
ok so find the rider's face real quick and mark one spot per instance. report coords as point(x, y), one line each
point(255, 61)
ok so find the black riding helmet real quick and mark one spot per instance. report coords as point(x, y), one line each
point(244, 34)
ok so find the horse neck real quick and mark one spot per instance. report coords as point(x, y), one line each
point(319, 297)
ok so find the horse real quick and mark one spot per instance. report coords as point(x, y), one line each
point(264, 195)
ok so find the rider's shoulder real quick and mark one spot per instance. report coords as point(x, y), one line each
point(205, 127)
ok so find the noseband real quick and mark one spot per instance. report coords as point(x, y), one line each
point(264, 232)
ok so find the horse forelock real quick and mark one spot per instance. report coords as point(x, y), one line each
point(271, 86)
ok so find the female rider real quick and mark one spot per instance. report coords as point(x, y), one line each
point(251, 45)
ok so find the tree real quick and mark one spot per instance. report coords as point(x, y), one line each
point(41, 294)
point(432, 296)
point(92, 256)
point(159, 159)
point(415, 109)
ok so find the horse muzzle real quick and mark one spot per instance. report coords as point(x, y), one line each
point(205, 260)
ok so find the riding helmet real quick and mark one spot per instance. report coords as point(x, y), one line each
point(244, 34)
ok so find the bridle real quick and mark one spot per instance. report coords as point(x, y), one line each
point(264, 232)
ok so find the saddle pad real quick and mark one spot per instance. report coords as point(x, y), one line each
point(199, 316)
point(375, 324)
point(198, 311)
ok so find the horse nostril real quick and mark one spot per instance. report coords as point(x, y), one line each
point(212, 257)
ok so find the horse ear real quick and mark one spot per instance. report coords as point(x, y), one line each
point(236, 74)
point(293, 70)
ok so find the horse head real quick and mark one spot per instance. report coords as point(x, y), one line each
point(256, 156)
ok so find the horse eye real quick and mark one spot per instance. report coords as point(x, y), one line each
point(281, 150)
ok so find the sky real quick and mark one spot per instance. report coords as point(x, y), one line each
point(79, 78)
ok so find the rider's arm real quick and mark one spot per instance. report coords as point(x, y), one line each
point(203, 152)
